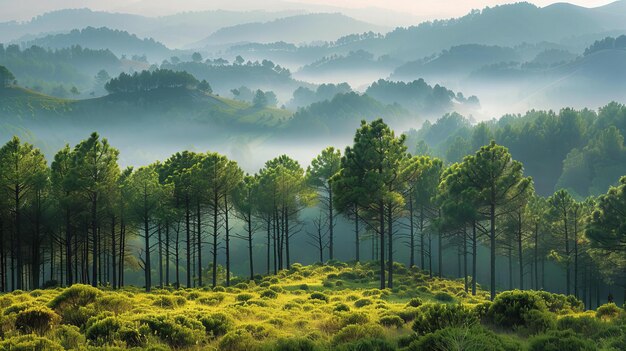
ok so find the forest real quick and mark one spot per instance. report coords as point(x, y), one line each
point(84, 220)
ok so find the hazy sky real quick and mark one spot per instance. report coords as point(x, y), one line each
point(423, 9)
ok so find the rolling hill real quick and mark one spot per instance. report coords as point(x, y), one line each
point(293, 29)
point(119, 42)
point(144, 125)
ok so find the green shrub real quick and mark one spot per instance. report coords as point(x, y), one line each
point(318, 296)
point(37, 320)
point(510, 307)
point(341, 307)
point(216, 324)
point(303, 287)
point(585, 325)
point(238, 340)
point(212, 300)
point(244, 297)
point(608, 311)
point(459, 338)
point(69, 336)
point(132, 337)
point(177, 332)
point(114, 303)
point(443, 297)
point(295, 344)
point(79, 316)
point(559, 303)
point(30, 343)
point(355, 332)
point(75, 296)
point(354, 318)
point(169, 302)
point(414, 302)
point(408, 314)
point(536, 322)
point(391, 321)
point(269, 294)
point(433, 317)
point(557, 340)
point(102, 332)
point(368, 344)
point(362, 303)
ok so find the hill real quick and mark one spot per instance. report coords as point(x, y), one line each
point(119, 42)
point(173, 30)
point(146, 125)
point(294, 29)
point(332, 306)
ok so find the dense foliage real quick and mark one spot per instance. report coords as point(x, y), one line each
point(150, 80)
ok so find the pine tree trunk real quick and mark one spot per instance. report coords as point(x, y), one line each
point(227, 230)
point(113, 250)
point(215, 232)
point(188, 233)
point(199, 241)
point(381, 215)
point(520, 251)
point(474, 249)
point(390, 246)
point(331, 225)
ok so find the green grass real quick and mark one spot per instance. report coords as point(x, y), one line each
point(317, 307)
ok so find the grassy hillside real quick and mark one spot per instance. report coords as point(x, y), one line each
point(171, 104)
point(320, 307)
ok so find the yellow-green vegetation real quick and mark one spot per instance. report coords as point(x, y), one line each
point(319, 307)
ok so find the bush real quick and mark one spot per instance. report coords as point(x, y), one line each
point(414, 302)
point(177, 332)
point(212, 300)
point(536, 322)
point(468, 339)
point(368, 344)
point(76, 296)
point(216, 324)
point(295, 344)
point(433, 317)
point(37, 320)
point(391, 321)
point(355, 332)
point(443, 297)
point(341, 307)
point(354, 318)
point(102, 332)
point(269, 294)
point(169, 302)
point(30, 343)
point(131, 336)
point(559, 303)
point(362, 303)
point(408, 314)
point(557, 340)
point(114, 303)
point(509, 308)
point(608, 311)
point(318, 296)
point(244, 297)
point(238, 340)
point(585, 325)
point(69, 336)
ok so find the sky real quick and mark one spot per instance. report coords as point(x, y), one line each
point(419, 9)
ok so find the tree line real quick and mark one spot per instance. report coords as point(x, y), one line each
point(84, 220)
point(155, 79)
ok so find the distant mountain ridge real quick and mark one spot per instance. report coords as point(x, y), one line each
point(118, 41)
point(174, 30)
point(294, 29)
